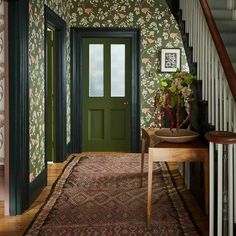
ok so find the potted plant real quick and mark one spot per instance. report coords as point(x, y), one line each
point(173, 95)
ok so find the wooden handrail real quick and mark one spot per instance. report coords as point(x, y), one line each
point(220, 47)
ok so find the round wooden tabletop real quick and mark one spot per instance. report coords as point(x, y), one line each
point(221, 137)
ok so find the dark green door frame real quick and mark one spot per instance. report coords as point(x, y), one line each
point(21, 192)
point(77, 34)
point(18, 15)
point(53, 21)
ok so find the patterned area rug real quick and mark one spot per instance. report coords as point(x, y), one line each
point(101, 195)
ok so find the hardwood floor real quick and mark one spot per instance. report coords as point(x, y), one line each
point(199, 217)
point(1, 182)
point(16, 225)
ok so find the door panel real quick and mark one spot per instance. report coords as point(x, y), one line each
point(96, 124)
point(118, 131)
point(106, 94)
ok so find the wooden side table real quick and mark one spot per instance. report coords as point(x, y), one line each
point(174, 152)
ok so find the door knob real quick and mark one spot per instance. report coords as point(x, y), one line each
point(126, 103)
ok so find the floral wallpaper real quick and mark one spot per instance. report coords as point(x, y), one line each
point(37, 80)
point(3, 84)
point(158, 30)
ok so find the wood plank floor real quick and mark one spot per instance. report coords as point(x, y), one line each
point(16, 225)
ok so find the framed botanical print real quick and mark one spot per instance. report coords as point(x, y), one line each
point(170, 59)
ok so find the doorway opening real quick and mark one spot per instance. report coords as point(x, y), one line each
point(55, 87)
point(51, 86)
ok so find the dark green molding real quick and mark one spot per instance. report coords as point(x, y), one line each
point(53, 20)
point(18, 106)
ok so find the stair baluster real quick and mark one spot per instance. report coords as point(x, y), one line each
point(218, 77)
point(224, 143)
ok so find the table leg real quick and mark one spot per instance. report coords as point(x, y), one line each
point(149, 197)
point(142, 160)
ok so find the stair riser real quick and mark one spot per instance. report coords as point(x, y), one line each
point(229, 39)
point(232, 53)
point(226, 26)
point(222, 14)
point(218, 4)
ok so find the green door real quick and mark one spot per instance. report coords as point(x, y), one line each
point(106, 94)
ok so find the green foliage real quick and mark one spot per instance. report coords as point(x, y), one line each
point(174, 92)
point(176, 88)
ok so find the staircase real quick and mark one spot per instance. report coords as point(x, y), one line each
point(209, 36)
point(225, 19)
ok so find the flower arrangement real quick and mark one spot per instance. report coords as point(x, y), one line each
point(173, 93)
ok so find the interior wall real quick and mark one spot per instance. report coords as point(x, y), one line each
point(2, 97)
point(158, 30)
point(37, 80)
point(2, 81)
point(4, 113)
point(2, 197)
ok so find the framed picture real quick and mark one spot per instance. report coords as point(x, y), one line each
point(170, 59)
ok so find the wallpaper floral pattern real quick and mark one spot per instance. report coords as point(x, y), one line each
point(37, 80)
point(158, 30)
point(3, 75)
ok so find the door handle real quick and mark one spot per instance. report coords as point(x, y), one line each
point(126, 103)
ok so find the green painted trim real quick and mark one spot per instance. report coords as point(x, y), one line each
point(18, 15)
point(37, 185)
point(69, 148)
point(52, 20)
point(51, 104)
point(76, 81)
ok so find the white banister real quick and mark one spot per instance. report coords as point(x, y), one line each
point(225, 106)
point(221, 99)
point(234, 154)
point(220, 190)
point(211, 190)
point(230, 190)
point(221, 111)
point(230, 4)
point(217, 95)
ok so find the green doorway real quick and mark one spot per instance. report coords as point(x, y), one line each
point(106, 75)
point(51, 103)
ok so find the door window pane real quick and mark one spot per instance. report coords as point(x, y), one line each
point(117, 70)
point(96, 70)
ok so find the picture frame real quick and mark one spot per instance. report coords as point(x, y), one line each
point(170, 59)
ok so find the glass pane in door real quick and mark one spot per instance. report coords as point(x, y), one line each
point(96, 70)
point(117, 70)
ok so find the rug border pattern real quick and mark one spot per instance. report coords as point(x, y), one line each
point(40, 217)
